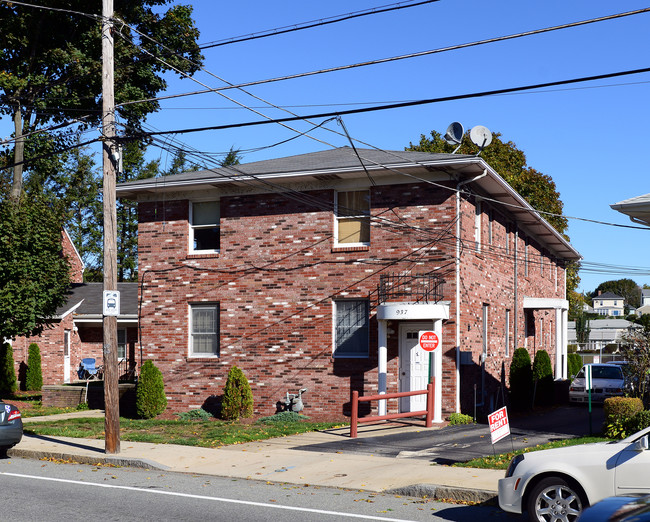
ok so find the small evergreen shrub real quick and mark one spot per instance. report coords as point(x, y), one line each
point(638, 422)
point(34, 373)
point(8, 381)
point(460, 418)
point(197, 414)
point(237, 396)
point(574, 363)
point(543, 378)
point(150, 399)
point(619, 412)
point(284, 417)
point(521, 379)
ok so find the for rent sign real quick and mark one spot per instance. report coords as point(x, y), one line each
point(499, 426)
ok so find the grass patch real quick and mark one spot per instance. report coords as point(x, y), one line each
point(207, 434)
point(502, 460)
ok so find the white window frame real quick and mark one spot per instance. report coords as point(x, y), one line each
point(477, 225)
point(335, 328)
point(194, 227)
point(485, 331)
point(216, 310)
point(507, 332)
point(124, 345)
point(360, 216)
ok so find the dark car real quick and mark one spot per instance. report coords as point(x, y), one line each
point(11, 426)
point(619, 509)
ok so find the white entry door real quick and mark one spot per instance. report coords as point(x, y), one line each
point(66, 356)
point(413, 366)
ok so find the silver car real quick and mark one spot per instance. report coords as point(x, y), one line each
point(607, 380)
point(11, 426)
point(557, 484)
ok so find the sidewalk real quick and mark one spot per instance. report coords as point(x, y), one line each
point(282, 460)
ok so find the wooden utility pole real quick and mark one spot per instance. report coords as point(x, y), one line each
point(111, 394)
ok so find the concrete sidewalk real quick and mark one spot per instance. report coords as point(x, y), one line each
point(282, 460)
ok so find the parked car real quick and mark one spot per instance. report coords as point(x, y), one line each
point(619, 509)
point(559, 483)
point(11, 426)
point(607, 380)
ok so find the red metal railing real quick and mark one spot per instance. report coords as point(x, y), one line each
point(356, 400)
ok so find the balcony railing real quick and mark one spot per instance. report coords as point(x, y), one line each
point(425, 288)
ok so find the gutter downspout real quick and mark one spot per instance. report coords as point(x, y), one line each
point(516, 285)
point(458, 241)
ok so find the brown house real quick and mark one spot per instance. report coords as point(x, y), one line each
point(319, 271)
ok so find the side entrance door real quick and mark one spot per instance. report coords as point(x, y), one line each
point(66, 356)
point(413, 366)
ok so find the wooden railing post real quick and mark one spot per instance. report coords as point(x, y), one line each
point(430, 405)
point(355, 414)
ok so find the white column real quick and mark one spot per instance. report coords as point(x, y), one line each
point(559, 344)
point(382, 363)
point(565, 342)
point(437, 387)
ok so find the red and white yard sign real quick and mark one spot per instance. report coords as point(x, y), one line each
point(499, 426)
point(428, 341)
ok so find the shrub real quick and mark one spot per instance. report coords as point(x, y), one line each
point(8, 381)
point(543, 377)
point(521, 378)
point(574, 363)
point(197, 414)
point(150, 397)
point(618, 414)
point(284, 417)
point(460, 418)
point(638, 422)
point(237, 396)
point(34, 373)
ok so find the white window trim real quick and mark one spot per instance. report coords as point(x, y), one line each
point(193, 227)
point(336, 219)
point(477, 226)
point(334, 334)
point(126, 344)
point(190, 337)
point(485, 331)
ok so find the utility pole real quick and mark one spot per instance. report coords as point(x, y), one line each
point(111, 394)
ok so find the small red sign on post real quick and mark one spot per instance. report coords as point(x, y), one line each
point(428, 341)
point(499, 426)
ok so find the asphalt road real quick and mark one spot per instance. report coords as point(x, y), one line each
point(464, 442)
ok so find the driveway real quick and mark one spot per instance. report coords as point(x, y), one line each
point(460, 443)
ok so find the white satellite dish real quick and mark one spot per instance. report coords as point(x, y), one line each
point(480, 136)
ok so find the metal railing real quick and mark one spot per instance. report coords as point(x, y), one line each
point(410, 287)
point(127, 370)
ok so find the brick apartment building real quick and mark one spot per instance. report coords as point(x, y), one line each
point(318, 272)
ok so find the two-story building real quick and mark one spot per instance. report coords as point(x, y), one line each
point(319, 271)
point(609, 304)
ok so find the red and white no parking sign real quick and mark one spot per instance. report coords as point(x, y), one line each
point(428, 340)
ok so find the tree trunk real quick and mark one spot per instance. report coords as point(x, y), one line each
point(19, 154)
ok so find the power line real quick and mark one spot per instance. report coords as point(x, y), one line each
point(313, 23)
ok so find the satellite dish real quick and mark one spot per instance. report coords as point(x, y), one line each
point(480, 136)
point(454, 134)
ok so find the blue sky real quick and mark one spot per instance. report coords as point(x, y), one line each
point(591, 138)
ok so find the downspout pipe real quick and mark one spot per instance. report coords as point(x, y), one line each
point(458, 242)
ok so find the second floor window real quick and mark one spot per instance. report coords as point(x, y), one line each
point(204, 226)
point(353, 217)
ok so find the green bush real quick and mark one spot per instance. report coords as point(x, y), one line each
point(150, 397)
point(574, 363)
point(638, 422)
point(618, 414)
point(237, 396)
point(197, 414)
point(284, 417)
point(543, 377)
point(460, 418)
point(34, 374)
point(8, 381)
point(521, 379)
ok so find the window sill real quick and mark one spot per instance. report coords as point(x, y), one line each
point(202, 255)
point(355, 248)
point(202, 357)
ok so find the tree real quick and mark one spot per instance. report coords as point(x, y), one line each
point(582, 329)
point(51, 72)
point(237, 396)
point(626, 288)
point(34, 274)
point(34, 374)
point(635, 348)
point(8, 381)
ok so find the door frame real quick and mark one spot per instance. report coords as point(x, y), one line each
point(66, 355)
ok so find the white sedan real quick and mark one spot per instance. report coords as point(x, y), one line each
point(557, 484)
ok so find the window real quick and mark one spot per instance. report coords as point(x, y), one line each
point(204, 330)
point(204, 229)
point(351, 328)
point(353, 217)
point(121, 344)
point(477, 226)
point(490, 225)
point(526, 258)
point(507, 238)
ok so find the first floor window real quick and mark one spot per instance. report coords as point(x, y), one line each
point(351, 328)
point(204, 332)
point(121, 343)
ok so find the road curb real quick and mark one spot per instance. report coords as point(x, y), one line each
point(437, 492)
point(87, 459)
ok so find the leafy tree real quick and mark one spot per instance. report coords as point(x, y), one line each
point(237, 396)
point(34, 374)
point(34, 275)
point(232, 158)
point(150, 399)
point(50, 63)
point(635, 348)
point(626, 288)
point(582, 329)
point(574, 363)
point(8, 381)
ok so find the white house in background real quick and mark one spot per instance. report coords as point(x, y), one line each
point(645, 302)
point(609, 304)
point(602, 332)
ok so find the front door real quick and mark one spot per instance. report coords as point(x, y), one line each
point(413, 366)
point(66, 356)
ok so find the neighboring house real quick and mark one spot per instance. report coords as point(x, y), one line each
point(77, 329)
point(318, 272)
point(602, 332)
point(609, 304)
point(645, 297)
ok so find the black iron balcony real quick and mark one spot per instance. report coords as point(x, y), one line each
point(415, 288)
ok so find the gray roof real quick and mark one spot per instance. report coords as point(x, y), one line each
point(636, 208)
point(89, 298)
point(343, 162)
point(608, 295)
